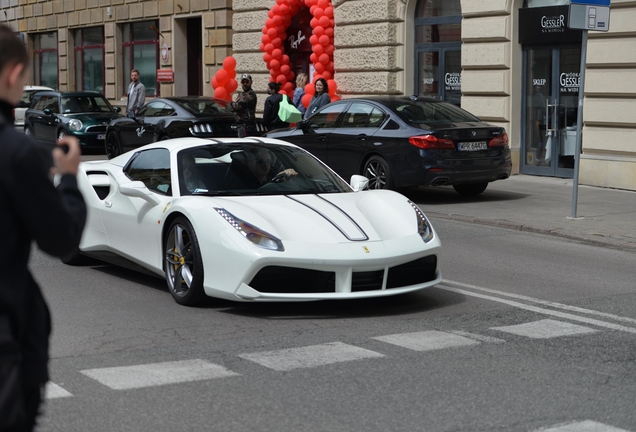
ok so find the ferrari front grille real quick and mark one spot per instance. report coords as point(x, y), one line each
point(291, 280)
point(367, 281)
point(415, 272)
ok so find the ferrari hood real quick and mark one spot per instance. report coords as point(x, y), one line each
point(327, 218)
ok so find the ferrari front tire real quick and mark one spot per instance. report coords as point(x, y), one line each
point(113, 146)
point(183, 264)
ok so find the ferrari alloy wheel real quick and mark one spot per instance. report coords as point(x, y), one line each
point(113, 146)
point(183, 264)
point(472, 189)
point(377, 170)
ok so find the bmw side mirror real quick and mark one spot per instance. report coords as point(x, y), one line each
point(302, 124)
point(359, 183)
point(48, 111)
point(117, 109)
point(130, 114)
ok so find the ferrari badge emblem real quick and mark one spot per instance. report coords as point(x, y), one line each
point(366, 249)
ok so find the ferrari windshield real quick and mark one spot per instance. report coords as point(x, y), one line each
point(254, 169)
point(205, 107)
point(420, 112)
point(85, 104)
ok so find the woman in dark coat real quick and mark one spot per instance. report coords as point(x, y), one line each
point(321, 97)
point(272, 104)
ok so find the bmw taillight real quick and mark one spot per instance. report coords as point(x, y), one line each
point(431, 142)
point(499, 141)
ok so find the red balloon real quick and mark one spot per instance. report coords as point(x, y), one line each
point(229, 63)
point(266, 39)
point(324, 59)
point(231, 73)
point(269, 23)
point(231, 86)
point(329, 12)
point(288, 86)
point(220, 93)
point(329, 49)
point(284, 9)
point(335, 98)
point(215, 83)
point(277, 53)
point(320, 68)
point(329, 31)
point(324, 21)
point(319, 31)
point(281, 79)
point(313, 58)
point(277, 42)
point(285, 59)
point(284, 69)
point(333, 87)
point(222, 77)
point(318, 49)
point(267, 57)
point(313, 39)
point(323, 3)
point(312, 10)
point(274, 64)
point(315, 23)
point(327, 75)
point(278, 20)
point(269, 48)
point(324, 40)
point(318, 12)
point(310, 89)
point(272, 33)
point(306, 100)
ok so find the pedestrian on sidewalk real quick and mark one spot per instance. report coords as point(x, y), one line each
point(321, 97)
point(31, 209)
point(136, 93)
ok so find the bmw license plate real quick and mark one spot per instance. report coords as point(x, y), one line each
point(473, 146)
point(101, 136)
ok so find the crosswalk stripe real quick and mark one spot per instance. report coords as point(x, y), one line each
point(477, 337)
point(309, 356)
point(545, 329)
point(582, 426)
point(150, 375)
point(54, 391)
point(427, 340)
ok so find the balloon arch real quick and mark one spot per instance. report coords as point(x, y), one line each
point(272, 45)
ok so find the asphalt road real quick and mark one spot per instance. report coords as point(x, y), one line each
point(526, 332)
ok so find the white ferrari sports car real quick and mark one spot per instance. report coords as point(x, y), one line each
point(253, 219)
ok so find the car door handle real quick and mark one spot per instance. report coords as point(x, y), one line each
point(362, 137)
point(322, 137)
point(108, 204)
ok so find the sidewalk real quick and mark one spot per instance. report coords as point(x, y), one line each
point(605, 217)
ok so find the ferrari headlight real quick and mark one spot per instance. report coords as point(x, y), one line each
point(257, 236)
point(423, 225)
point(74, 125)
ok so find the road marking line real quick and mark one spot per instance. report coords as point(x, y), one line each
point(582, 426)
point(156, 374)
point(536, 309)
point(545, 329)
point(544, 302)
point(310, 356)
point(54, 391)
point(478, 337)
point(427, 340)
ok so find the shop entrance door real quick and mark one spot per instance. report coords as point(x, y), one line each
point(551, 89)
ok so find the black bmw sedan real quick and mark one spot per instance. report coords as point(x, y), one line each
point(174, 117)
point(399, 141)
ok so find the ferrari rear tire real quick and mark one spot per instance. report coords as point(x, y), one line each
point(377, 170)
point(472, 189)
point(183, 264)
point(113, 146)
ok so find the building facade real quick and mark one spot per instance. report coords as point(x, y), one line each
point(514, 63)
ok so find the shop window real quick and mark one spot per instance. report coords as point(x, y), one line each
point(141, 52)
point(45, 59)
point(89, 59)
point(438, 36)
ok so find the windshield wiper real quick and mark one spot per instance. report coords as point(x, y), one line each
point(217, 193)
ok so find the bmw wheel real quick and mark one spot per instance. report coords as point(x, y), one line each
point(28, 131)
point(377, 170)
point(61, 134)
point(113, 146)
point(472, 189)
point(183, 264)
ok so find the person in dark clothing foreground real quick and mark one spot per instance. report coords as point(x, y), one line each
point(31, 209)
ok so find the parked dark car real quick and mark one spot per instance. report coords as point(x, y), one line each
point(83, 114)
point(175, 117)
point(400, 142)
